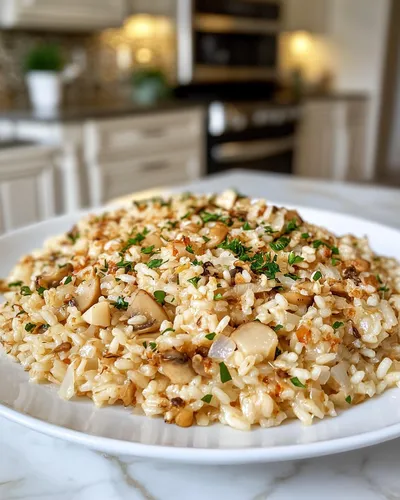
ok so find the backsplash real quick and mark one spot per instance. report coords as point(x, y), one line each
point(103, 61)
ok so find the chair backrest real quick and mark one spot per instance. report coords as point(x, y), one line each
point(27, 190)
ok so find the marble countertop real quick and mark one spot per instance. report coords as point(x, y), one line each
point(34, 466)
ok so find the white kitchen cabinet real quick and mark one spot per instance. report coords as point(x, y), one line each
point(331, 140)
point(306, 15)
point(132, 154)
point(26, 185)
point(154, 7)
point(71, 15)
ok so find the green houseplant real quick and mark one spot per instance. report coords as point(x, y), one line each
point(43, 66)
point(149, 85)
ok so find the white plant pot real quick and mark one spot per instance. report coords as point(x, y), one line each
point(44, 90)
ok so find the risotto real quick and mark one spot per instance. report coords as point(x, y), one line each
point(207, 308)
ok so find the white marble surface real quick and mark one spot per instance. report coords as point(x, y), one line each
point(33, 466)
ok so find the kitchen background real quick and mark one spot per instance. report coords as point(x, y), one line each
point(162, 92)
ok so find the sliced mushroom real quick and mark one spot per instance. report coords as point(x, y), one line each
point(184, 418)
point(360, 265)
point(98, 314)
point(217, 234)
point(297, 299)
point(64, 347)
point(152, 240)
point(177, 367)
point(226, 199)
point(256, 338)
point(339, 289)
point(145, 305)
point(88, 293)
point(3, 286)
point(52, 280)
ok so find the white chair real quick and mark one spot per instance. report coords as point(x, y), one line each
point(26, 184)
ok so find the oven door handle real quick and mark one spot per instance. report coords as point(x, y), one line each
point(235, 152)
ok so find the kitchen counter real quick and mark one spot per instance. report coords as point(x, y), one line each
point(94, 110)
point(33, 466)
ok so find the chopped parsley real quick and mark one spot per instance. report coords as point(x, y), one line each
point(16, 283)
point(147, 250)
point(25, 290)
point(194, 281)
point(30, 326)
point(269, 230)
point(189, 249)
point(153, 264)
point(153, 346)
point(105, 268)
point(136, 240)
point(383, 289)
point(218, 296)
point(277, 328)
point(206, 239)
point(348, 399)
point(305, 236)
point(209, 217)
point(236, 247)
point(377, 277)
point(294, 259)
point(246, 227)
point(278, 352)
point(292, 276)
point(291, 226)
point(319, 243)
point(126, 264)
point(211, 336)
point(224, 373)
point(335, 261)
point(159, 295)
point(295, 381)
point(145, 344)
point(207, 398)
point(317, 276)
point(121, 304)
point(196, 262)
point(280, 244)
point(41, 290)
point(261, 263)
point(335, 250)
point(68, 280)
point(187, 214)
point(337, 324)
point(73, 236)
point(167, 330)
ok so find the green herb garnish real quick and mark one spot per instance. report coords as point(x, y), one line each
point(383, 289)
point(25, 290)
point(246, 227)
point(189, 249)
point(159, 295)
point(121, 304)
point(16, 283)
point(295, 381)
point(209, 217)
point(167, 330)
point(153, 264)
point(30, 326)
point(261, 263)
point(194, 281)
point(224, 373)
point(291, 226)
point(41, 290)
point(305, 236)
point(337, 324)
point(278, 352)
point(218, 296)
point(236, 247)
point(280, 244)
point(211, 336)
point(136, 240)
point(269, 230)
point(145, 344)
point(206, 239)
point(294, 259)
point(126, 264)
point(68, 280)
point(348, 399)
point(207, 398)
point(277, 328)
point(292, 276)
point(153, 346)
point(334, 261)
point(147, 250)
point(317, 276)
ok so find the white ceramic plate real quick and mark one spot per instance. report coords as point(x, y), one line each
point(116, 430)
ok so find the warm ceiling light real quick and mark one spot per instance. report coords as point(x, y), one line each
point(300, 43)
point(140, 26)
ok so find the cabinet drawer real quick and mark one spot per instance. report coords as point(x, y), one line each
point(125, 177)
point(143, 135)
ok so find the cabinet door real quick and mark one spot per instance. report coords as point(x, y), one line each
point(26, 186)
point(306, 15)
point(155, 7)
point(71, 15)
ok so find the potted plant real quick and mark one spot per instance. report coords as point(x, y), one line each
point(149, 85)
point(43, 66)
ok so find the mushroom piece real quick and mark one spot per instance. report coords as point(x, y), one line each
point(198, 365)
point(256, 338)
point(360, 265)
point(98, 314)
point(52, 280)
point(144, 305)
point(297, 299)
point(177, 366)
point(64, 347)
point(88, 293)
point(152, 240)
point(217, 234)
point(227, 199)
point(184, 418)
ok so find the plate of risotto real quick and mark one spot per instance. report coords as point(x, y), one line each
point(206, 328)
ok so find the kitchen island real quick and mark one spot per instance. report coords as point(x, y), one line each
point(33, 466)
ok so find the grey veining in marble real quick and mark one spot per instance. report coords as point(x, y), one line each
point(34, 466)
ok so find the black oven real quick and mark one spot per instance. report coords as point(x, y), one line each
point(227, 40)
